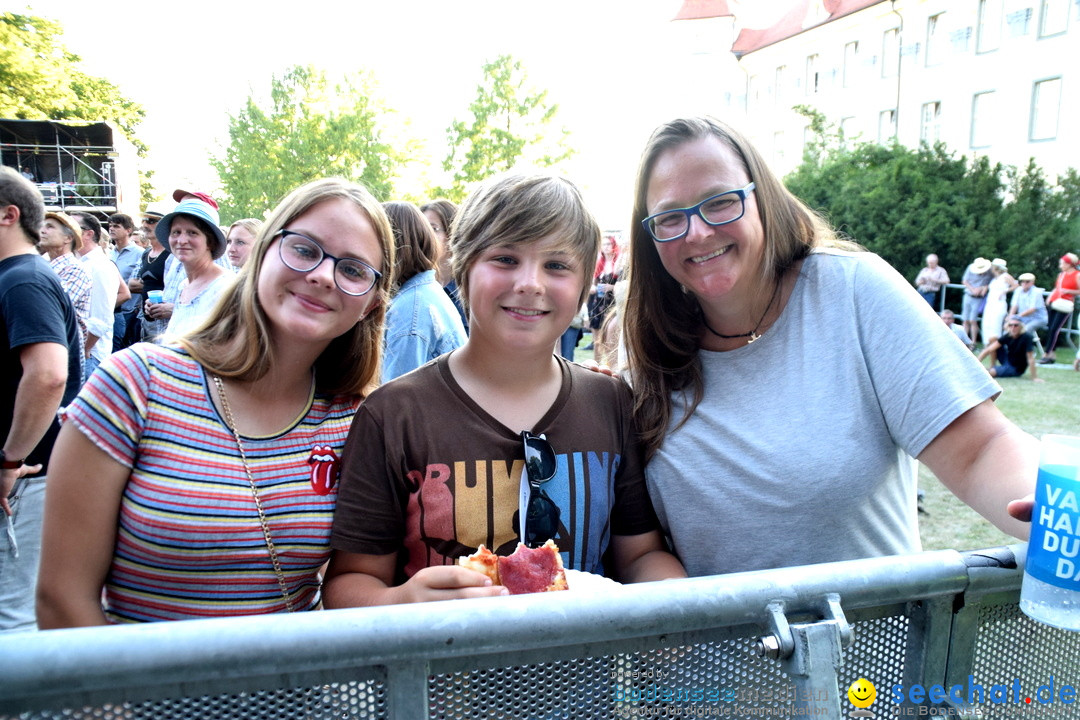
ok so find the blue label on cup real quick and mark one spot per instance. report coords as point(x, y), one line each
point(1054, 547)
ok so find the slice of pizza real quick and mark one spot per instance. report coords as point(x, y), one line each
point(482, 561)
point(528, 570)
point(532, 570)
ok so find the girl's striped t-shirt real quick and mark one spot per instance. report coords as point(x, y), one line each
point(189, 542)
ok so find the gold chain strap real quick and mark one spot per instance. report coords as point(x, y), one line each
point(254, 493)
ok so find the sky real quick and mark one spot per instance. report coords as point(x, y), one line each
point(616, 68)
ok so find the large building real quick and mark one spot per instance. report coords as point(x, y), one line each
point(999, 78)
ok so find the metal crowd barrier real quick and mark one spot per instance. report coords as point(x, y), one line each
point(780, 643)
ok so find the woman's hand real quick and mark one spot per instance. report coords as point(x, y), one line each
point(1021, 509)
point(158, 311)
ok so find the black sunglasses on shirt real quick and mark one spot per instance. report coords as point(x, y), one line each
point(541, 512)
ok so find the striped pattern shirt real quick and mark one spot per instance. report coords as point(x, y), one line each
point(189, 543)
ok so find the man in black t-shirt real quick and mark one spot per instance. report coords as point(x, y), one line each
point(1014, 351)
point(40, 366)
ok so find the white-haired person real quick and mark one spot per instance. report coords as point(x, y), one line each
point(199, 478)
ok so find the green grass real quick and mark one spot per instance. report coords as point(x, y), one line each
point(1037, 408)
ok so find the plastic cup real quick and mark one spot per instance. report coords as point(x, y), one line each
point(154, 296)
point(1051, 587)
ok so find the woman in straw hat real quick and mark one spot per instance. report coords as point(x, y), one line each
point(997, 306)
point(199, 479)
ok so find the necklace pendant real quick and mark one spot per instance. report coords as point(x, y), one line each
point(753, 336)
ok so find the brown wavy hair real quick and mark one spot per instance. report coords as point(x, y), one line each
point(234, 341)
point(416, 247)
point(662, 322)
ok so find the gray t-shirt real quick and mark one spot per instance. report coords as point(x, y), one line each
point(803, 448)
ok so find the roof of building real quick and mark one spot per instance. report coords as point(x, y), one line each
point(782, 20)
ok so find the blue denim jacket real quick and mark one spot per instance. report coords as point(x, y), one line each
point(421, 324)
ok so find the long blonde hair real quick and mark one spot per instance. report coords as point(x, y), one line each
point(234, 341)
point(662, 323)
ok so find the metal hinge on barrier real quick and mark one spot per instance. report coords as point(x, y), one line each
point(811, 654)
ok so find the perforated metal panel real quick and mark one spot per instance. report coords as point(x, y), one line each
point(680, 649)
point(716, 679)
point(336, 701)
point(1012, 647)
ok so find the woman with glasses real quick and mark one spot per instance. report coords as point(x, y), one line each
point(784, 382)
point(421, 322)
point(199, 478)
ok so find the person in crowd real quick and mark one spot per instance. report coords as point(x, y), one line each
point(601, 294)
point(417, 494)
point(1012, 353)
point(152, 275)
point(606, 349)
point(931, 279)
point(191, 233)
point(949, 318)
point(60, 239)
point(734, 284)
point(198, 479)
point(1061, 303)
point(440, 213)
point(976, 278)
point(239, 240)
point(1029, 303)
point(421, 322)
point(125, 255)
point(108, 293)
point(997, 300)
point(40, 354)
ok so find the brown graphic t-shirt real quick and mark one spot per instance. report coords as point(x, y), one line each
point(429, 474)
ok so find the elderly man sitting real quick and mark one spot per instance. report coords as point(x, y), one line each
point(1014, 352)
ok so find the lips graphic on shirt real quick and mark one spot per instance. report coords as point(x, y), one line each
point(324, 469)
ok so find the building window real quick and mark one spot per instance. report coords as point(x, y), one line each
point(781, 90)
point(779, 155)
point(812, 75)
point(930, 128)
point(848, 133)
point(989, 29)
point(1053, 17)
point(886, 126)
point(753, 92)
point(935, 39)
point(1045, 104)
point(982, 118)
point(851, 59)
point(890, 53)
point(1019, 22)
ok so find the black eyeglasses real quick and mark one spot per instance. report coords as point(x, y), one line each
point(303, 254)
point(541, 513)
point(720, 209)
point(150, 220)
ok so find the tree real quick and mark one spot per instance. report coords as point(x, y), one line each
point(510, 124)
point(904, 203)
point(311, 129)
point(41, 80)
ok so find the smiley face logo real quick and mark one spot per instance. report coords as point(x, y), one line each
point(862, 693)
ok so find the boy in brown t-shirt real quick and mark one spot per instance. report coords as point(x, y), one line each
point(432, 465)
